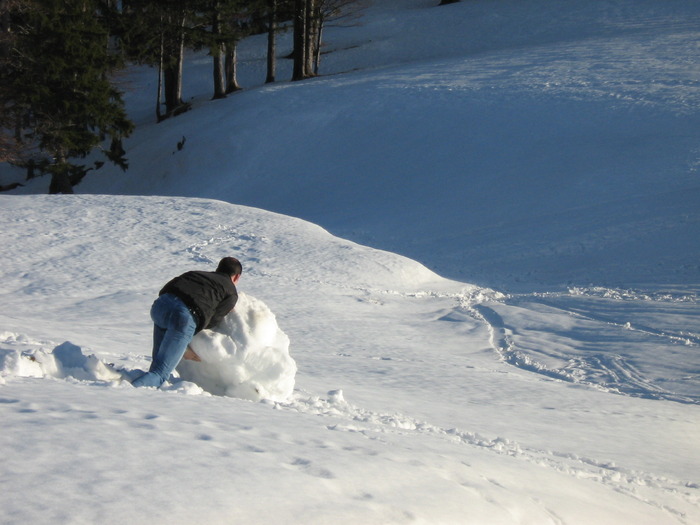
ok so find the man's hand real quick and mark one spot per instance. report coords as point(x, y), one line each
point(191, 355)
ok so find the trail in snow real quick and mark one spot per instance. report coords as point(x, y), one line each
point(634, 484)
point(598, 349)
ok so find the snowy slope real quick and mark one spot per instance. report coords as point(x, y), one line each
point(403, 411)
point(546, 151)
point(497, 142)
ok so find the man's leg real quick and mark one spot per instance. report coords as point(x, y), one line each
point(174, 328)
point(158, 334)
point(178, 335)
point(160, 315)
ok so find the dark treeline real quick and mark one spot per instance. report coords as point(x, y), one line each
point(58, 101)
point(59, 62)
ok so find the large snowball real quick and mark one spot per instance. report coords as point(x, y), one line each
point(246, 356)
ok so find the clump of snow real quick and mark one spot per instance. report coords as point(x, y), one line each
point(66, 360)
point(246, 356)
point(14, 363)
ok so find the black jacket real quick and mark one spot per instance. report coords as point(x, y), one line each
point(208, 295)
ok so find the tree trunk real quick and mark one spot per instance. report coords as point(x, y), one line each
point(219, 76)
point(159, 98)
point(310, 37)
point(299, 39)
point(271, 42)
point(231, 66)
point(172, 76)
point(180, 60)
point(60, 183)
point(317, 54)
point(60, 176)
point(170, 80)
point(217, 52)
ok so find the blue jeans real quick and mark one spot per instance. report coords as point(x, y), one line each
point(173, 329)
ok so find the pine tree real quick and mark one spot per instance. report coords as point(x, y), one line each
point(10, 148)
point(59, 85)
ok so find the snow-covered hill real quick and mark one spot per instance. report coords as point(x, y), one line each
point(539, 364)
point(407, 405)
point(497, 142)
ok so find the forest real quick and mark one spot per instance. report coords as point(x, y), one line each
point(59, 62)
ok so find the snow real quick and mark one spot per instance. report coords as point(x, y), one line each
point(65, 361)
point(245, 356)
point(470, 289)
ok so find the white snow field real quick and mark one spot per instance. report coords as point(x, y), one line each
point(470, 294)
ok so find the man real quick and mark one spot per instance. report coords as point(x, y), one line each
point(187, 304)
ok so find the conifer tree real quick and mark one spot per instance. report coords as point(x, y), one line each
point(59, 89)
point(10, 148)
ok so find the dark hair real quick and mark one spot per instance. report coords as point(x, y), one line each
point(230, 266)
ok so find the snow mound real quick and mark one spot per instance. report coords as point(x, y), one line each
point(66, 360)
point(246, 356)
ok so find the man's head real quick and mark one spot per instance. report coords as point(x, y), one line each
point(231, 267)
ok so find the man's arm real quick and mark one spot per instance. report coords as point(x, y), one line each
point(191, 355)
point(222, 310)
